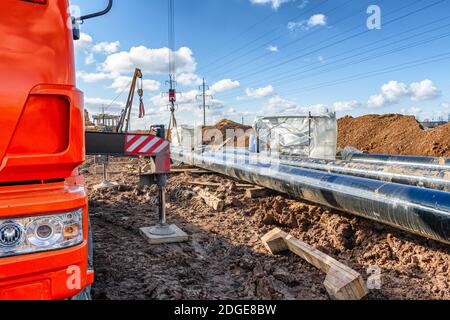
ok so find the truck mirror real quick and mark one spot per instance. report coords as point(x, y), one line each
point(75, 29)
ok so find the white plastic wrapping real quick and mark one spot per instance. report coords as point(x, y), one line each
point(306, 136)
point(184, 133)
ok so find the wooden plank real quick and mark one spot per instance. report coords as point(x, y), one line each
point(185, 167)
point(215, 184)
point(191, 171)
point(341, 282)
point(210, 199)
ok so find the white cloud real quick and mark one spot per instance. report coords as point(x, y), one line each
point(93, 77)
point(272, 49)
point(83, 47)
point(445, 105)
point(151, 61)
point(123, 82)
point(393, 92)
point(317, 20)
point(424, 90)
point(376, 101)
point(187, 103)
point(106, 47)
point(341, 106)
point(274, 3)
point(96, 104)
point(188, 97)
point(89, 59)
point(259, 92)
point(189, 79)
point(84, 43)
point(224, 85)
point(414, 111)
point(303, 4)
point(280, 106)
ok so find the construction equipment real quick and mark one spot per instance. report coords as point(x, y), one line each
point(45, 242)
point(125, 116)
point(172, 70)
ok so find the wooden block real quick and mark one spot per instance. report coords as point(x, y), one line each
point(211, 200)
point(257, 192)
point(274, 241)
point(341, 282)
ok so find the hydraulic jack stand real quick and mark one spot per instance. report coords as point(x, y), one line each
point(105, 184)
point(162, 232)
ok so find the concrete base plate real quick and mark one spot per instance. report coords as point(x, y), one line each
point(105, 185)
point(178, 235)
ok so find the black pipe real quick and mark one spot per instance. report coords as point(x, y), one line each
point(432, 178)
point(421, 211)
point(415, 161)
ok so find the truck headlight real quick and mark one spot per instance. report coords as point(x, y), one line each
point(40, 233)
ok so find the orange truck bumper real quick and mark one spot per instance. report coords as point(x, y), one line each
point(57, 274)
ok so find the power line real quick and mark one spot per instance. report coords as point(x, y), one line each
point(241, 34)
point(291, 77)
point(203, 88)
point(404, 66)
point(118, 96)
point(378, 55)
point(347, 31)
point(260, 37)
point(339, 41)
point(265, 54)
point(364, 75)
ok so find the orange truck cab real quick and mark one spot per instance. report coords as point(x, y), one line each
point(44, 227)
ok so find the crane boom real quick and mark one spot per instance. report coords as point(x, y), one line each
point(124, 122)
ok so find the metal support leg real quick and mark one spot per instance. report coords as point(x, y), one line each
point(105, 183)
point(105, 170)
point(162, 229)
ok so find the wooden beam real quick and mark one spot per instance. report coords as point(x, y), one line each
point(341, 282)
point(215, 184)
point(191, 171)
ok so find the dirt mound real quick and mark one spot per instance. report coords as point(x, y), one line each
point(209, 133)
point(393, 134)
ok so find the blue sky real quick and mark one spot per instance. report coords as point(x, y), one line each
point(266, 57)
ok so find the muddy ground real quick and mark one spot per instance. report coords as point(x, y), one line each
point(225, 259)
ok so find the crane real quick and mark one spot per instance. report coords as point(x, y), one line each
point(124, 122)
point(172, 71)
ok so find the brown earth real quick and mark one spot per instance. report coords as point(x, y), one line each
point(393, 134)
point(224, 257)
point(222, 126)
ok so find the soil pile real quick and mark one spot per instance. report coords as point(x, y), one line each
point(224, 125)
point(393, 134)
